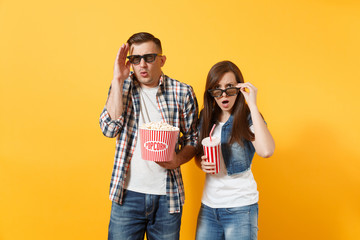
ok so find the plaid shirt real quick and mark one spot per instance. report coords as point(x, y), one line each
point(178, 107)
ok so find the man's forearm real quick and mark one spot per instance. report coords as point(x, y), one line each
point(186, 154)
point(114, 104)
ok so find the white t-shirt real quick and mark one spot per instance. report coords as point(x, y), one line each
point(224, 191)
point(146, 176)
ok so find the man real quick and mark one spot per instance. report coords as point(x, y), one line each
point(146, 196)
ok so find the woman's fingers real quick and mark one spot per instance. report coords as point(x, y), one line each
point(247, 85)
point(206, 166)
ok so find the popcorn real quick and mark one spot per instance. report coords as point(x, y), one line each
point(158, 141)
point(159, 126)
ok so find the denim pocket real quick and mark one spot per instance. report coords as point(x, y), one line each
point(242, 210)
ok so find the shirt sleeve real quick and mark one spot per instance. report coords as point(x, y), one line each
point(189, 119)
point(110, 127)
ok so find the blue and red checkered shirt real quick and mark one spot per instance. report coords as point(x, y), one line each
point(178, 107)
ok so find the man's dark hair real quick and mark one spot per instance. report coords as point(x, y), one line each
point(142, 37)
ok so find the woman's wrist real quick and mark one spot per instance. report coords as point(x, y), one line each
point(253, 107)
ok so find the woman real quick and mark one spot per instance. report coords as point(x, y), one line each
point(229, 208)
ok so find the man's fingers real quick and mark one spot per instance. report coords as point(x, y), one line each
point(128, 64)
point(118, 55)
point(123, 53)
point(127, 48)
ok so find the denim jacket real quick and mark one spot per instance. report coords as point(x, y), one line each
point(237, 158)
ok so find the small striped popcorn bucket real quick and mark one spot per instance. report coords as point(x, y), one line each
point(212, 151)
point(157, 145)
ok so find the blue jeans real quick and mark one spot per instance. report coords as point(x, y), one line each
point(142, 213)
point(240, 223)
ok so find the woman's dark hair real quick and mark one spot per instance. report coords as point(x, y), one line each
point(142, 37)
point(211, 110)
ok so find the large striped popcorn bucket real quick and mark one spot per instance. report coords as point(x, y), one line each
point(212, 151)
point(158, 145)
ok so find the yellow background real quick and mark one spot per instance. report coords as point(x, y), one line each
point(56, 60)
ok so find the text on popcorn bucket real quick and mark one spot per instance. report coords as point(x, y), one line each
point(155, 146)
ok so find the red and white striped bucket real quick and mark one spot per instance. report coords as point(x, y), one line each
point(212, 152)
point(157, 145)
